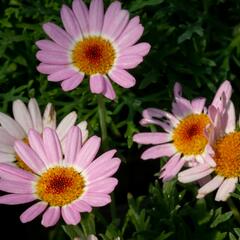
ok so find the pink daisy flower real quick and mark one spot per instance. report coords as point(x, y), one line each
point(92, 43)
point(30, 117)
point(184, 140)
point(224, 140)
point(61, 184)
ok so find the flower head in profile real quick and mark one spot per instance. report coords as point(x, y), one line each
point(30, 117)
point(184, 138)
point(224, 141)
point(93, 43)
point(59, 184)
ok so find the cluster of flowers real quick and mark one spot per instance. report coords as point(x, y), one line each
point(56, 166)
point(203, 139)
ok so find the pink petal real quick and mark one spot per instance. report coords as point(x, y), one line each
point(140, 49)
point(33, 211)
point(166, 126)
point(122, 78)
point(35, 114)
point(97, 199)
point(131, 26)
point(128, 61)
point(16, 186)
point(70, 216)
point(29, 156)
point(117, 24)
point(6, 148)
point(88, 152)
point(49, 45)
point(70, 22)
point(11, 126)
point(96, 13)
point(57, 34)
point(81, 13)
point(8, 171)
point(51, 216)
point(198, 105)
point(97, 84)
point(194, 170)
point(7, 157)
point(210, 186)
point(106, 185)
point(67, 122)
point(171, 163)
point(49, 69)
point(22, 115)
point(226, 90)
point(159, 151)
point(152, 138)
point(49, 117)
point(108, 91)
point(227, 187)
point(194, 177)
point(111, 13)
point(81, 206)
point(73, 144)
point(15, 198)
point(182, 107)
point(171, 173)
point(84, 132)
point(177, 90)
point(99, 170)
point(130, 36)
point(231, 119)
point(151, 113)
point(104, 163)
point(52, 146)
point(36, 143)
point(62, 74)
point(6, 138)
point(72, 82)
point(52, 57)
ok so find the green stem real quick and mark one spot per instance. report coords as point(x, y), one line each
point(103, 125)
point(102, 119)
point(234, 209)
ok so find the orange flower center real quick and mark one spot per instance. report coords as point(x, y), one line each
point(59, 186)
point(20, 163)
point(93, 55)
point(227, 155)
point(188, 136)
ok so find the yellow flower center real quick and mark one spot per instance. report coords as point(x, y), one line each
point(59, 186)
point(227, 155)
point(93, 55)
point(188, 136)
point(20, 163)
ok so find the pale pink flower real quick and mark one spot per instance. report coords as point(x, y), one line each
point(60, 184)
point(93, 43)
point(184, 139)
point(30, 117)
point(224, 142)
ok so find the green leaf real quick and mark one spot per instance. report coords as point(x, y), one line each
point(237, 231)
point(221, 218)
point(73, 231)
point(138, 4)
point(232, 237)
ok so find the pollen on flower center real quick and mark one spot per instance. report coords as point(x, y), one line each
point(20, 163)
point(188, 136)
point(59, 186)
point(227, 155)
point(93, 55)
